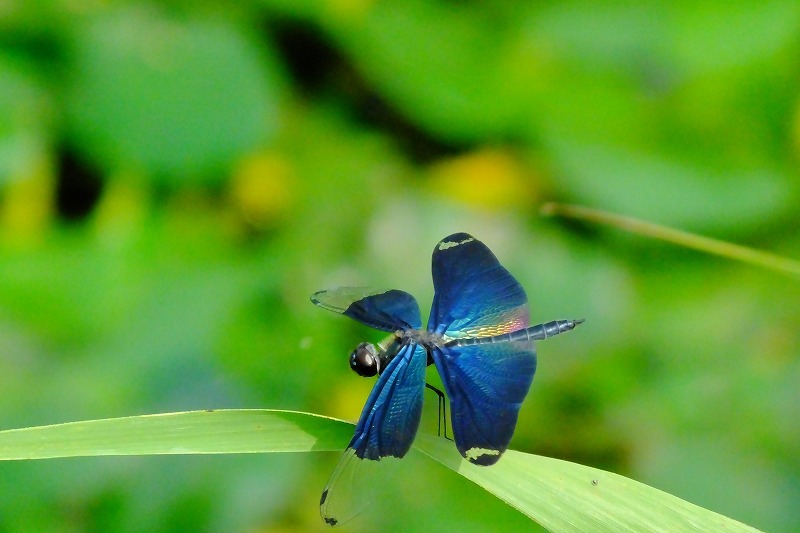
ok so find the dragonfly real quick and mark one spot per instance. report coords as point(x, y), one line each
point(479, 338)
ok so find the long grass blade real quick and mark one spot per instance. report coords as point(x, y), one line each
point(736, 252)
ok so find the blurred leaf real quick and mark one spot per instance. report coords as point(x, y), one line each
point(687, 38)
point(24, 107)
point(438, 65)
point(560, 495)
point(574, 46)
point(674, 192)
point(711, 36)
point(179, 99)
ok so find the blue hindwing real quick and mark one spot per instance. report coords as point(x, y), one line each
point(474, 296)
point(486, 384)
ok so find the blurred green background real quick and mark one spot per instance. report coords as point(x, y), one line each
point(177, 178)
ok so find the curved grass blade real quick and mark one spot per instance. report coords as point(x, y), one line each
point(559, 495)
point(736, 252)
point(564, 496)
point(190, 432)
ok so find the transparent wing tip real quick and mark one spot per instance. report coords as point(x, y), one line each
point(330, 520)
point(327, 514)
point(354, 485)
point(315, 297)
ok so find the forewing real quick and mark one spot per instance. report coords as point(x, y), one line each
point(353, 486)
point(474, 295)
point(486, 384)
point(387, 310)
point(385, 430)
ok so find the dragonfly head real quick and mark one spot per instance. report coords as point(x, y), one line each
point(364, 360)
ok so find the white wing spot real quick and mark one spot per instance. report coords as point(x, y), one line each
point(475, 453)
point(444, 245)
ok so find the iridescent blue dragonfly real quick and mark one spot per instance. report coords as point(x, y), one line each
point(479, 338)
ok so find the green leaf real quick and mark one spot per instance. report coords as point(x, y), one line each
point(437, 65)
point(675, 192)
point(564, 496)
point(559, 495)
point(191, 432)
point(24, 107)
point(179, 99)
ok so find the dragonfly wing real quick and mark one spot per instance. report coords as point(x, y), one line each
point(486, 384)
point(387, 310)
point(474, 295)
point(353, 486)
point(385, 430)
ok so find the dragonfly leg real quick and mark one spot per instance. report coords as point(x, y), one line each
point(442, 411)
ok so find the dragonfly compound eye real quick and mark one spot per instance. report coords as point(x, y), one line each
point(364, 360)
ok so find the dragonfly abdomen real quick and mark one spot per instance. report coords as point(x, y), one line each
point(534, 333)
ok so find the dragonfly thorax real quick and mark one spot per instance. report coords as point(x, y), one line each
point(423, 337)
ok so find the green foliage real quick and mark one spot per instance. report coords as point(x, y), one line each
point(559, 495)
point(176, 179)
point(193, 432)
